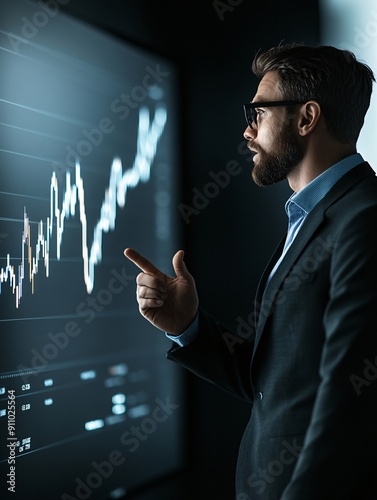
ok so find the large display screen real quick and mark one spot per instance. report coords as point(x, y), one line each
point(89, 405)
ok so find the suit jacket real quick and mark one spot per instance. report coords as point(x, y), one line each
point(306, 357)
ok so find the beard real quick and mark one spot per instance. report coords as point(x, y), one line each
point(274, 166)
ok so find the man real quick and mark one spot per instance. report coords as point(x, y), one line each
point(309, 368)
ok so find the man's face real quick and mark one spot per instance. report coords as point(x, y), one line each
point(274, 140)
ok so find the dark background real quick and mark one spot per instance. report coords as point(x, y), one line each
point(230, 240)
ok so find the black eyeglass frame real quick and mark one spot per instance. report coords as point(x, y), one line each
point(251, 114)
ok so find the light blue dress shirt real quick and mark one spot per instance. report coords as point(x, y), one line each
point(297, 207)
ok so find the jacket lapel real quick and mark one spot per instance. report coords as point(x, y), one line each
point(266, 293)
point(266, 301)
point(264, 278)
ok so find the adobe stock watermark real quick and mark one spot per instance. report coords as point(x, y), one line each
point(222, 8)
point(365, 379)
point(262, 477)
point(363, 36)
point(30, 27)
point(300, 274)
point(132, 439)
point(121, 107)
point(98, 474)
point(87, 309)
point(219, 181)
point(138, 434)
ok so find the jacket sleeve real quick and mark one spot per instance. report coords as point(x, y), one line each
point(340, 447)
point(218, 356)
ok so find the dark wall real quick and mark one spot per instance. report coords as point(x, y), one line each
point(228, 240)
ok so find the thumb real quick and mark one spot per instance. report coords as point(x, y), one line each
point(180, 266)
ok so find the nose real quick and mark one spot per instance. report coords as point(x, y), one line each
point(250, 133)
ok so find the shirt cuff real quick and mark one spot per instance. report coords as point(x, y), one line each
point(188, 335)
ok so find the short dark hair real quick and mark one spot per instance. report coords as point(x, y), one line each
point(340, 83)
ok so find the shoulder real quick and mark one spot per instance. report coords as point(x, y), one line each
point(353, 194)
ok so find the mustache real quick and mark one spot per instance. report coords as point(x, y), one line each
point(253, 147)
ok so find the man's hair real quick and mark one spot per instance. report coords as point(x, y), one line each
point(340, 83)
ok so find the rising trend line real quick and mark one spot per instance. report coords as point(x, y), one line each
point(148, 137)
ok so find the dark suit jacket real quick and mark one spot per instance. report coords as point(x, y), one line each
point(306, 358)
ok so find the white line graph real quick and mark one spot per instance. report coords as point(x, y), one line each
point(149, 133)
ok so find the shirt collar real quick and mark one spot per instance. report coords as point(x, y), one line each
point(310, 195)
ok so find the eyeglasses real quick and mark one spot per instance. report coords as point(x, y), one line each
point(251, 114)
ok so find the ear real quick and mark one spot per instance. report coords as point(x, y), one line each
point(308, 117)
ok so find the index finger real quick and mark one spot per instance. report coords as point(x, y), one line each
point(142, 262)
